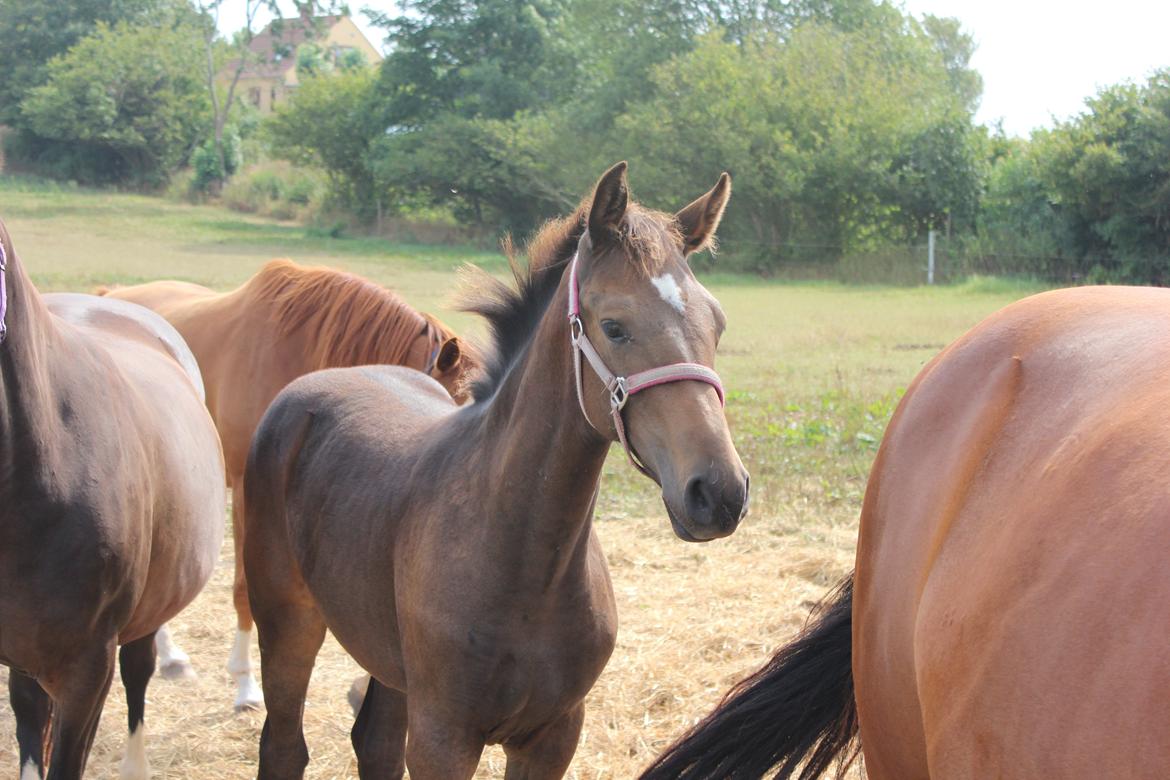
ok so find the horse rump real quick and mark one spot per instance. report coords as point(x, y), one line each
point(797, 710)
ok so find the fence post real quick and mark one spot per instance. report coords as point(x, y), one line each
point(930, 257)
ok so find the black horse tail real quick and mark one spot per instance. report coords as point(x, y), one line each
point(797, 710)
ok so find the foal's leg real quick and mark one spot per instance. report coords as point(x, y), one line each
point(239, 666)
point(173, 663)
point(547, 753)
point(379, 733)
point(438, 750)
point(137, 660)
point(31, 706)
point(78, 694)
point(290, 637)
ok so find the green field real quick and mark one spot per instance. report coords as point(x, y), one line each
point(813, 371)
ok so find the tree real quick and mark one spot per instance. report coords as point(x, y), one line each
point(476, 58)
point(333, 122)
point(32, 32)
point(242, 54)
point(128, 95)
point(829, 134)
point(956, 47)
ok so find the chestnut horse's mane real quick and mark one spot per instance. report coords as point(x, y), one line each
point(513, 312)
point(354, 321)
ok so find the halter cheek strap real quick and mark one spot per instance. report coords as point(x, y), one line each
point(3, 294)
point(620, 388)
point(436, 339)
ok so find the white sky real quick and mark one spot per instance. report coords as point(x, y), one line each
point(1039, 58)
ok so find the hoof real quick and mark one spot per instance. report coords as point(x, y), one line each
point(177, 670)
point(249, 697)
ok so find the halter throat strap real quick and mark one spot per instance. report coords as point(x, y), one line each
point(620, 388)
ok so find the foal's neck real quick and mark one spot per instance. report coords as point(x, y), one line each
point(545, 458)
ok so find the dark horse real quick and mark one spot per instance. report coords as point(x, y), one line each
point(111, 509)
point(451, 549)
point(284, 322)
point(1008, 612)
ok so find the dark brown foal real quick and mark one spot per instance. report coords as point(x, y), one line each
point(111, 509)
point(451, 549)
point(286, 321)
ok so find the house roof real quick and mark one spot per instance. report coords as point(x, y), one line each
point(276, 45)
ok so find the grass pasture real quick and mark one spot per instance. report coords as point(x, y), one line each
point(813, 372)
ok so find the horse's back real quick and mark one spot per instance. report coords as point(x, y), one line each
point(167, 297)
point(113, 320)
point(326, 424)
point(1009, 574)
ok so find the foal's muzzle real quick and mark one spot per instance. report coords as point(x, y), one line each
point(712, 506)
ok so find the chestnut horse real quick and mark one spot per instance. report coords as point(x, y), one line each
point(111, 509)
point(451, 549)
point(286, 321)
point(1008, 612)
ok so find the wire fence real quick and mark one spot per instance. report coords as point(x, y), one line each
point(908, 264)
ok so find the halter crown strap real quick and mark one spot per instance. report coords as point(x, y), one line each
point(620, 388)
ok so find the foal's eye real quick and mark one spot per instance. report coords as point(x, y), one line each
point(614, 331)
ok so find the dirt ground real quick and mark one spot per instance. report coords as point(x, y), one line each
point(694, 619)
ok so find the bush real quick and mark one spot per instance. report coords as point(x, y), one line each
point(205, 162)
point(123, 105)
point(275, 189)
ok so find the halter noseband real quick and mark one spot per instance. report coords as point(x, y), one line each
point(620, 388)
point(3, 294)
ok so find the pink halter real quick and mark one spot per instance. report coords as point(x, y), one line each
point(3, 294)
point(620, 388)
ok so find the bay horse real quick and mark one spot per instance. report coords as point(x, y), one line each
point(1007, 616)
point(111, 509)
point(284, 322)
point(450, 549)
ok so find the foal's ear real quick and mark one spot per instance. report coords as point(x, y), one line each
point(701, 218)
point(610, 198)
point(449, 355)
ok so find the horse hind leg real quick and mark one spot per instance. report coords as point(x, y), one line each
point(379, 733)
point(546, 755)
point(290, 636)
point(78, 694)
point(137, 661)
point(32, 707)
point(239, 666)
point(173, 662)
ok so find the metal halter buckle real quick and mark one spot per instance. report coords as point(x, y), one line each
point(576, 329)
point(619, 393)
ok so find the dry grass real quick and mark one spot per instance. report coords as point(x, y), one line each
point(694, 619)
point(814, 371)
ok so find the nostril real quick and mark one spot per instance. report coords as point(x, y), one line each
point(697, 499)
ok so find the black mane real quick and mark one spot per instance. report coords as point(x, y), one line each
point(513, 313)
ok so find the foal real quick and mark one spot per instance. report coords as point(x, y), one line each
point(451, 549)
point(286, 321)
point(111, 509)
